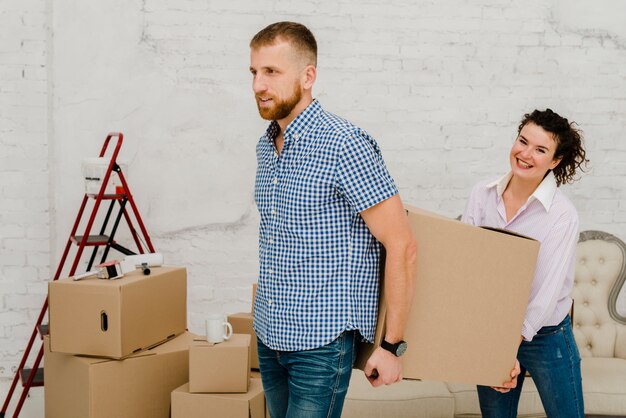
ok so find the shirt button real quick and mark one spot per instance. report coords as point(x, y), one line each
point(275, 181)
point(269, 302)
point(273, 212)
point(271, 241)
point(270, 271)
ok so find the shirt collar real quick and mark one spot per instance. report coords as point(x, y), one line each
point(297, 126)
point(272, 131)
point(544, 193)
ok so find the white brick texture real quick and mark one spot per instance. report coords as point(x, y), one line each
point(24, 175)
point(441, 85)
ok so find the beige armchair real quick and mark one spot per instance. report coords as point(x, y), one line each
point(600, 332)
point(599, 329)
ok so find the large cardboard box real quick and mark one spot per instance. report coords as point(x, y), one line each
point(223, 405)
point(116, 318)
point(471, 290)
point(136, 387)
point(242, 324)
point(220, 368)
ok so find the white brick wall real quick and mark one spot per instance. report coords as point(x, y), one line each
point(24, 174)
point(442, 87)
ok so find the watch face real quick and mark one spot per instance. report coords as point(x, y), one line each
point(401, 348)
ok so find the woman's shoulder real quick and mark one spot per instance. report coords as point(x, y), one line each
point(563, 207)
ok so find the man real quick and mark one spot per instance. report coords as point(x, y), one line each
point(326, 200)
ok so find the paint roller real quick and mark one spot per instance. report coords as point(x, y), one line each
point(143, 261)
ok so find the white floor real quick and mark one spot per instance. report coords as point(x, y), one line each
point(33, 405)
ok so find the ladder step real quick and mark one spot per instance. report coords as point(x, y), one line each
point(37, 381)
point(92, 240)
point(118, 196)
point(44, 329)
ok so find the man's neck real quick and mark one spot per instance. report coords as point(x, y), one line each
point(283, 123)
point(303, 104)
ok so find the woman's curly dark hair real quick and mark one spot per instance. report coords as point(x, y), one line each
point(569, 142)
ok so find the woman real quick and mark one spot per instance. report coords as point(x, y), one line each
point(547, 153)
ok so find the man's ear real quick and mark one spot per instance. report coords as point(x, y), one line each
point(309, 74)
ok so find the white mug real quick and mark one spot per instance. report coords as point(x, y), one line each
point(217, 330)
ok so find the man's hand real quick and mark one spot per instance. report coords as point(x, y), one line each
point(383, 368)
point(511, 384)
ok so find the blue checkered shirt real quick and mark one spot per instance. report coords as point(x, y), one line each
point(319, 264)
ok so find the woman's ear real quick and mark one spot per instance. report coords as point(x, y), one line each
point(555, 163)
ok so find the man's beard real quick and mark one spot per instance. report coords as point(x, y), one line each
point(280, 109)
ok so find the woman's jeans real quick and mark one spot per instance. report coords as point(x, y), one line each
point(553, 361)
point(310, 383)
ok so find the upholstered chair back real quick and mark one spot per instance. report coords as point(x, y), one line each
point(600, 331)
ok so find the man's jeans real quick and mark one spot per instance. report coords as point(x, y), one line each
point(553, 361)
point(310, 383)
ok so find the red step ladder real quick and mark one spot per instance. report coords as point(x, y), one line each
point(34, 376)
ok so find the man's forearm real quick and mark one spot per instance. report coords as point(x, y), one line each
point(399, 277)
point(388, 222)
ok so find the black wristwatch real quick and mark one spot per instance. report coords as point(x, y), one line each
point(396, 349)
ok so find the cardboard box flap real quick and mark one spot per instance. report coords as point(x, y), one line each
point(99, 360)
point(235, 340)
point(175, 344)
point(504, 231)
point(179, 343)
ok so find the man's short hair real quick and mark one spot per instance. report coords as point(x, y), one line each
point(298, 35)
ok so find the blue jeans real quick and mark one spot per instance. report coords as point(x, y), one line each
point(553, 361)
point(310, 383)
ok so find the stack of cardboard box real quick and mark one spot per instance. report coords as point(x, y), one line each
point(117, 348)
point(221, 379)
